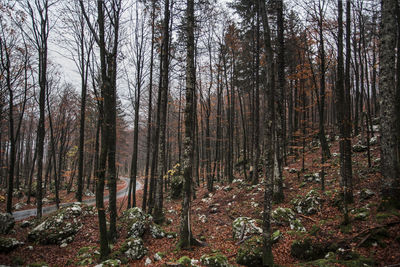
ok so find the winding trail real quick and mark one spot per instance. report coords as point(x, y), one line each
point(23, 214)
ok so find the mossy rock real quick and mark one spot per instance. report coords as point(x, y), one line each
point(185, 261)
point(156, 231)
point(62, 225)
point(137, 221)
point(214, 260)
point(246, 226)
point(283, 216)
point(250, 252)
point(9, 244)
point(86, 256)
point(133, 248)
point(366, 194)
point(307, 250)
point(330, 260)
point(309, 204)
point(176, 186)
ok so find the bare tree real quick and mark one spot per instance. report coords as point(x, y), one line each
point(108, 45)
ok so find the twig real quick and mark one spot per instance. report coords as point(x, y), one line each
point(242, 240)
point(311, 219)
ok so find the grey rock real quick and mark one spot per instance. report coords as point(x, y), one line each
point(244, 226)
point(133, 248)
point(60, 226)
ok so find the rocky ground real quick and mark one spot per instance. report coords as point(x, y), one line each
point(307, 226)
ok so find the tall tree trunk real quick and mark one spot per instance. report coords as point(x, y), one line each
point(341, 100)
point(83, 70)
point(158, 208)
point(256, 126)
point(281, 122)
point(185, 229)
point(321, 108)
point(389, 106)
point(268, 259)
point(149, 113)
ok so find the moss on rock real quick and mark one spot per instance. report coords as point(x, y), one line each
point(9, 244)
point(244, 226)
point(214, 260)
point(250, 252)
point(307, 250)
point(185, 261)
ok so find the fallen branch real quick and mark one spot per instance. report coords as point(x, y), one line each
point(304, 216)
point(375, 227)
point(242, 240)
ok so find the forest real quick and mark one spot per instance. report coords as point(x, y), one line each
point(200, 133)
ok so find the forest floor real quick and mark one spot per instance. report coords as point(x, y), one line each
point(212, 217)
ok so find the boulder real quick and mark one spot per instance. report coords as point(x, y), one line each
point(250, 252)
point(137, 221)
point(286, 216)
point(309, 204)
point(9, 244)
point(133, 248)
point(7, 223)
point(214, 260)
point(156, 231)
point(244, 226)
point(58, 227)
point(283, 216)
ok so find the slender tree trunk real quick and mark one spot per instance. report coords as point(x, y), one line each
point(281, 128)
point(149, 115)
point(158, 208)
point(256, 144)
point(82, 118)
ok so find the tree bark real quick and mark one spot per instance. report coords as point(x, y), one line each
point(388, 104)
